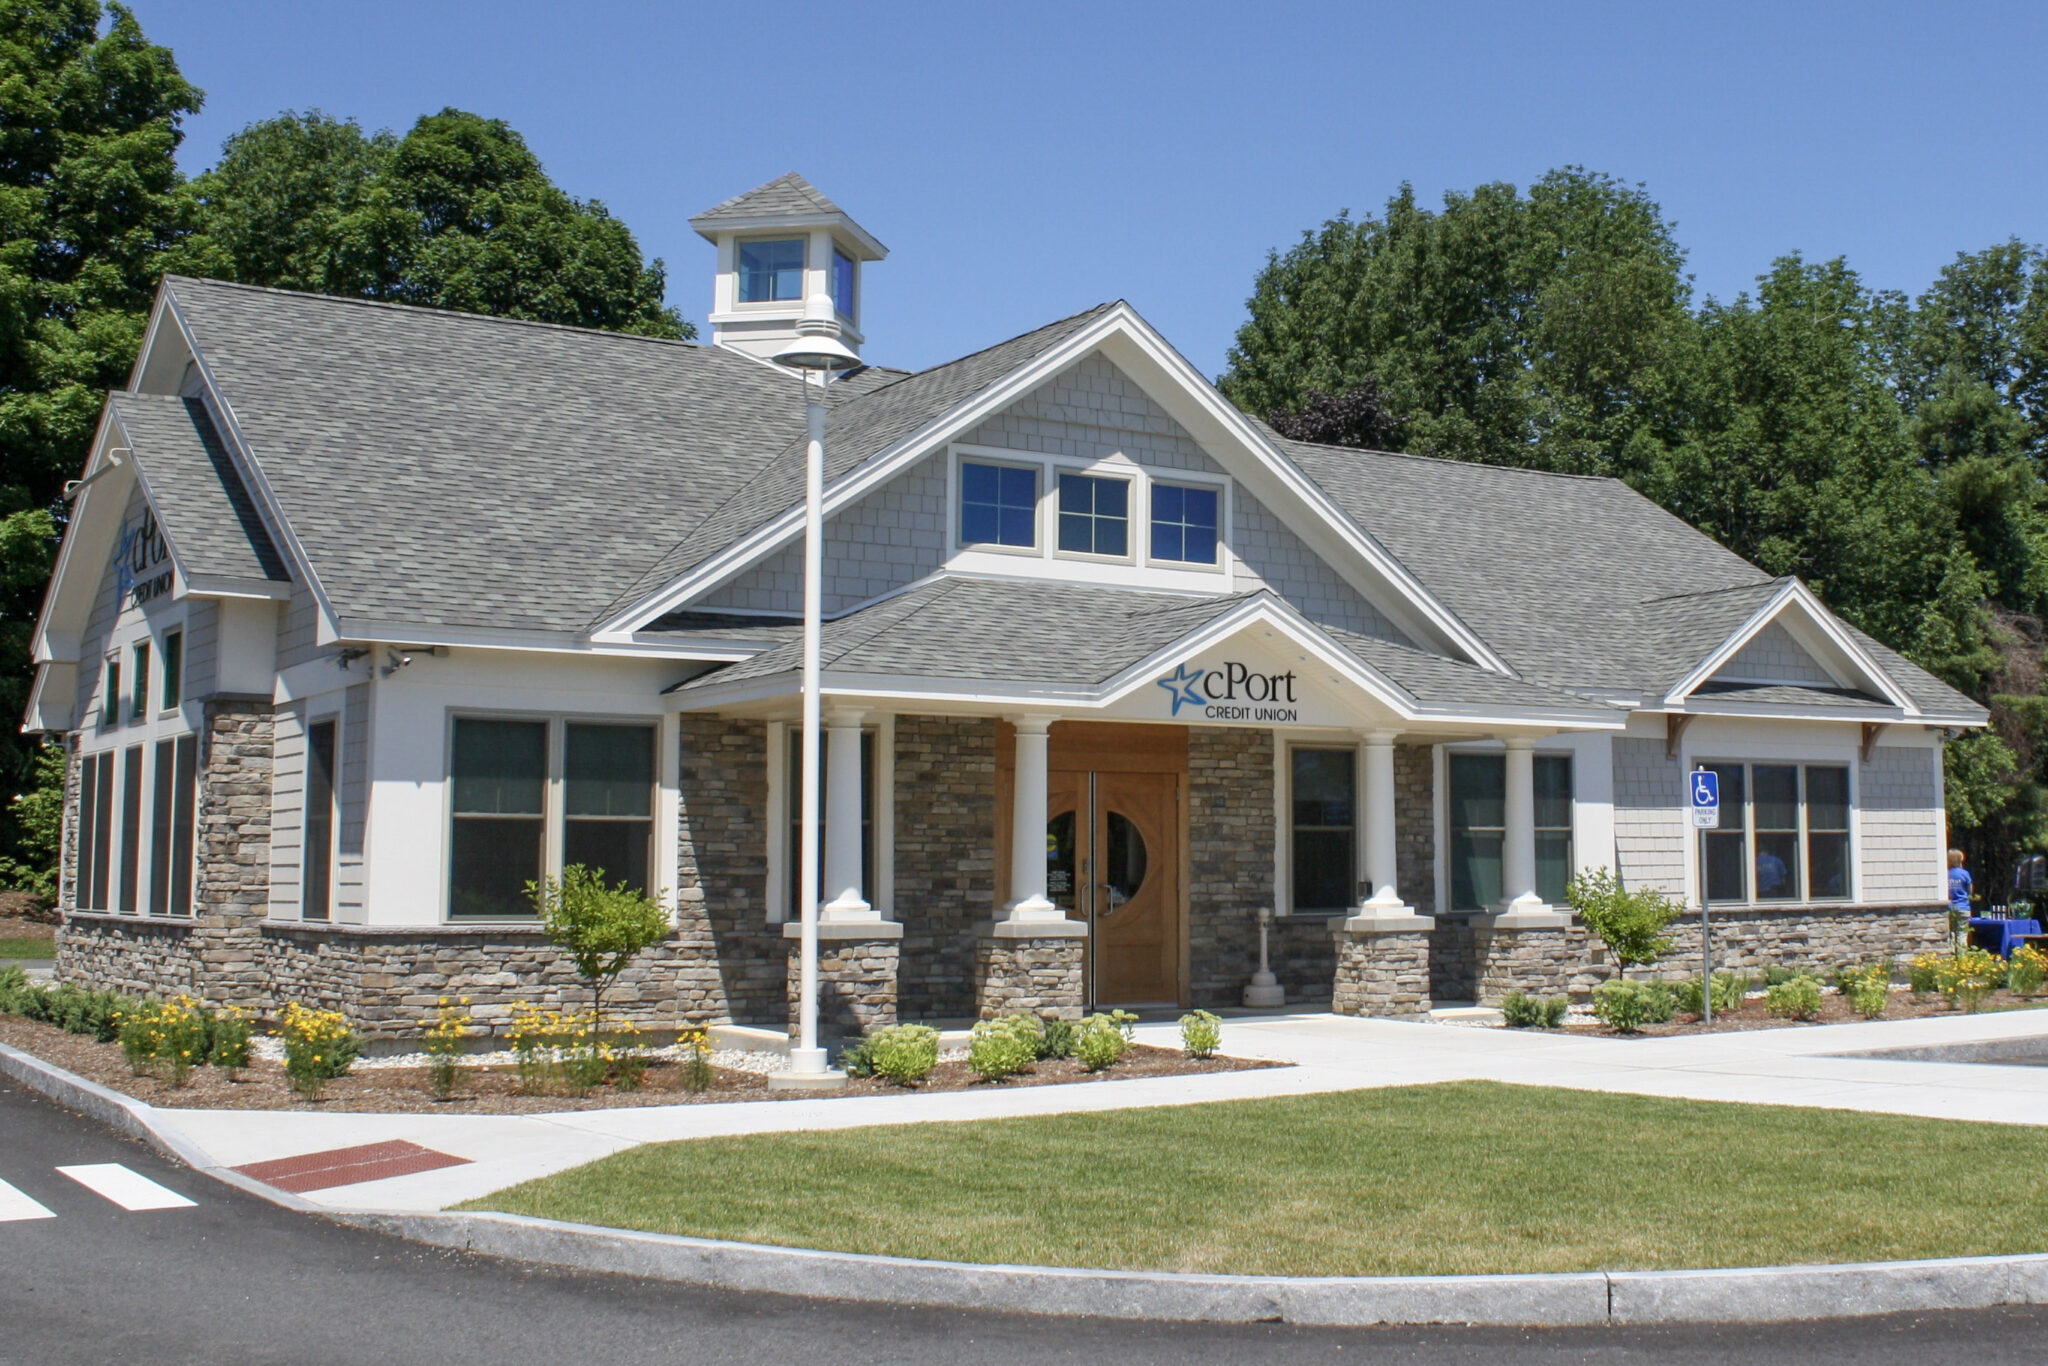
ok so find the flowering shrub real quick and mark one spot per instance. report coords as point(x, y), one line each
point(693, 1056)
point(1923, 973)
point(442, 1042)
point(318, 1047)
point(1867, 989)
point(165, 1037)
point(1966, 978)
point(2027, 970)
point(903, 1054)
point(1002, 1048)
point(228, 1040)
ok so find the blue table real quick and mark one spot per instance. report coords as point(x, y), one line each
point(2000, 936)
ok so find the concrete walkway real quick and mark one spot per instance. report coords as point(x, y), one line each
point(1788, 1066)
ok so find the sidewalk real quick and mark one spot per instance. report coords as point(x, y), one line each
point(1789, 1066)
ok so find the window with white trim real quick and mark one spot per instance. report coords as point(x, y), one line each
point(1323, 838)
point(1094, 515)
point(998, 505)
point(1784, 833)
point(771, 272)
point(522, 806)
point(1478, 828)
point(793, 833)
point(1184, 523)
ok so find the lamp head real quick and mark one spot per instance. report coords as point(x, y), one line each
point(816, 345)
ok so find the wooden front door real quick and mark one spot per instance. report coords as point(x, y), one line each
point(1113, 852)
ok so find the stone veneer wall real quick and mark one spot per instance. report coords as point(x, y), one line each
point(945, 859)
point(729, 960)
point(213, 955)
point(1381, 974)
point(857, 988)
point(1029, 976)
point(1230, 873)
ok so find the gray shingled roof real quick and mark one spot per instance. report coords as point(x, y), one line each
point(1791, 695)
point(447, 469)
point(783, 197)
point(200, 500)
point(855, 431)
point(967, 629)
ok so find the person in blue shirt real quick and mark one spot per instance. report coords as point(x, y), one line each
point(1958, 883)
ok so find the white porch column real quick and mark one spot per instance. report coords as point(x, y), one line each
point(1028, 902)
point(1518, 851)
point(1384, 911)
point(842, 890)
point(1381, 869)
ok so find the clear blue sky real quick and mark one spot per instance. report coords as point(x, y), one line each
point(1024, 161)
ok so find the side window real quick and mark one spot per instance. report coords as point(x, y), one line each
point(316, 854)
point(1478, 808)
point(173, 669)
point(998, 505)
point(1184, 524)
point(843, 277)
point(1553, 774)
point(110, 694)
point(499, 780)
point(608, 801)
point(138, 706)
point(1325, 829)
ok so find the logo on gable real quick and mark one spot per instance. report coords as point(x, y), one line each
point(141, 550)
point(1233, 691)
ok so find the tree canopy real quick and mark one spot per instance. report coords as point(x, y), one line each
point(1888, 451)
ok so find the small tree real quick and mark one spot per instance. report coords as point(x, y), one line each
point(601, 928)
point(1631, 924)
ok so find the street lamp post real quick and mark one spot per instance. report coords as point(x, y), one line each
point(817, 350)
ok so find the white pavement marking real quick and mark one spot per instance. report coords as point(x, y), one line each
point(14, 1205)
point(130, 1190)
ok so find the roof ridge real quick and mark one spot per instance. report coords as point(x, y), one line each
point(172, 277)
point(1710, 592)
point(981, 351)
point(1449, 460)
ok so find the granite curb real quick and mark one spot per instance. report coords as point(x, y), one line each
point(1743, 1294)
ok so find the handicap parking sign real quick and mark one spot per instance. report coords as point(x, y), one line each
point(1705, 791)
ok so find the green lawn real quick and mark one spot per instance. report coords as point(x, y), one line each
point(27, 948)
point(1458, 1178)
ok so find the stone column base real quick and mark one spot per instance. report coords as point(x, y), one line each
point(1548, 957)
point(1382, 965)
point(1030, 969)
point(857, 971)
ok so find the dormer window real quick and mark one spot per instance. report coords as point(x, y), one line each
point(1095, 516)
point(998, 505)
point(843, 285)
point(771, 272)
point(1183, 524)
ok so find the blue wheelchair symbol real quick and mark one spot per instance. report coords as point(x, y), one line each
point(1706, 789)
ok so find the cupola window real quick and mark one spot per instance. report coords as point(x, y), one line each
point(843, 285)
point(771, 272)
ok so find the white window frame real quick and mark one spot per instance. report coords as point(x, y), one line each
point(553, 804)
point(1133, 526)
point(1584, 840)
point(1283, 819)
point(956, 491)
point(1806, 896)
point(1222, 522)
point(739, 277)
point(305, 806)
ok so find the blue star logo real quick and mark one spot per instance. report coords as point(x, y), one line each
point(1184, 686)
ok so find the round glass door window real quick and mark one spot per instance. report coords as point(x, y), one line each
point(1123, 862)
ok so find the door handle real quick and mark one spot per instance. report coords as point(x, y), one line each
point(1111, 899)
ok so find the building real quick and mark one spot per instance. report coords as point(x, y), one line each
point(368, 615)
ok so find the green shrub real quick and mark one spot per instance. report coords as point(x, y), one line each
point(1059, 1039)
point(15, 989)
point(600, 928)
point(903, 1054)
point(1631, 924)
point(1201, 1033)
point(857, 1059)
point(1867, 989)
point(997, 1049)
point(1777, 974)
point(1626, 1006)
point(1102, 1040)
point(228, 1034)
point(1660, 1001)
point(1029, 1028)
point(1520, 1010)
point(2027, 970)
point(1730, 991)
point(1796, 998)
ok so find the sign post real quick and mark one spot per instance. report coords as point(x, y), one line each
point(1703, 791)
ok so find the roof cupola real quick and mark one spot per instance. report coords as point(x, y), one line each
point(778, 245)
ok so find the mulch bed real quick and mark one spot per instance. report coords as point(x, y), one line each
point(20, 927)
point(1833, 1010)
point(495, 1091)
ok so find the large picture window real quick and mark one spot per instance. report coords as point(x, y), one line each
point(1784, 833)
point(1478, 827)
point(1325, 829)
point(499, 781)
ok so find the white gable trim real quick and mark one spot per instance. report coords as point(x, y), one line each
point(1128, 342)
point(55, 638)
point(1818, 633)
